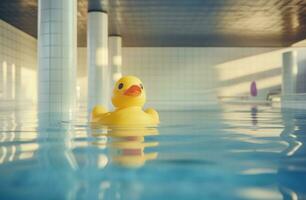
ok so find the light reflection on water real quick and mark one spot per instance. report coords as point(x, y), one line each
point(227, 152)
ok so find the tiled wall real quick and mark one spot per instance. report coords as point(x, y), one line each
point(196, 77)
point(17, 65)
point(173, 77)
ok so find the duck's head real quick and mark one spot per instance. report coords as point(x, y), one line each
point(128, 91)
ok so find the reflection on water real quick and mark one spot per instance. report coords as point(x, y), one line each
point(250, 152)
point(126, 145)
point(254, 111)
point(17, 141)
point(292, 168)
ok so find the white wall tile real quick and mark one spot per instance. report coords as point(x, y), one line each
point(191, 75)
point(18, 49)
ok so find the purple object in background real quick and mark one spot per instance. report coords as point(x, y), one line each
point(253, 89)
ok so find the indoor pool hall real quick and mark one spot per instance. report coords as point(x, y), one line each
point(152, 99)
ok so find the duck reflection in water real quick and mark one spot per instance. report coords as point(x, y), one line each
point(127, 145)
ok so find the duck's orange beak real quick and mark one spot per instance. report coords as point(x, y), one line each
point(133, 91)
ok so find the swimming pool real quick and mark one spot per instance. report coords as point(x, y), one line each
point(224, 152)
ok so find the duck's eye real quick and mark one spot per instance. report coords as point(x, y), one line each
point(120, 86)
point(141, 86)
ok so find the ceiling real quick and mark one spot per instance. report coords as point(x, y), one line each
point(244, 23)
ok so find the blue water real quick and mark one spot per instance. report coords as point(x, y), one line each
point(225, 152)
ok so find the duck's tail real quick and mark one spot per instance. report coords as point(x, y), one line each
point(97, 111)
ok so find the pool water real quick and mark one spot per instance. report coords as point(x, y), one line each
point(224, 152)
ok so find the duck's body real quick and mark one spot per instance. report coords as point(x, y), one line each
point(128, 98)
point(133, 115)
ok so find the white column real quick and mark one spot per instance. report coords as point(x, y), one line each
point(289, 72)
point(115, 58)
point(57, 36)
point(97, 52)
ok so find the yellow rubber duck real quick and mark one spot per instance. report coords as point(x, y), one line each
point(128, 98)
